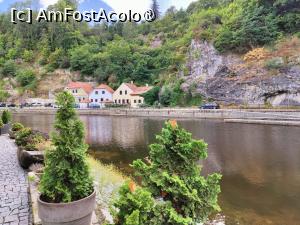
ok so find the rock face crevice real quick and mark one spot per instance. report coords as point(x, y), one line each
point(230, 80)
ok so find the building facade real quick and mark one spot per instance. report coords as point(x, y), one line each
point(130, 94)
point(81, 92)
point(100, 96)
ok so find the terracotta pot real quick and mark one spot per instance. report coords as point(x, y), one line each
point(74, 213)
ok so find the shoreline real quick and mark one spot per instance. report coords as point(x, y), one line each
point(260, 116)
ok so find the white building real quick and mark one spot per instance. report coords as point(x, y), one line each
point(100, 96)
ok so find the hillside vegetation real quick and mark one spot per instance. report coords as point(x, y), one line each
point(155, 53)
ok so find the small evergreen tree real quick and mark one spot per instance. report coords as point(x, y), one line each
point(172, 184)
point(6, 117)
point(155, 8)
point(66, 177)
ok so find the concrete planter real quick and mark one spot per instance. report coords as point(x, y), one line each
point(5, 129)
point(75, 213)
point(27, 158)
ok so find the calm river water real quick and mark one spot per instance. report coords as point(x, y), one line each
point(260, 164)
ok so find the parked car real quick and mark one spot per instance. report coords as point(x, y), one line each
point(2, 105)
point(11, 105)
point(48, 105)
point(37, 104)
point(211, 105)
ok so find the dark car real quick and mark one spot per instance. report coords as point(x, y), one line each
point(211, 105)
point(2, 105)
point(11, 105)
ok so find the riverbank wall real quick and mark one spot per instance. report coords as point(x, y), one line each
point(287, 115)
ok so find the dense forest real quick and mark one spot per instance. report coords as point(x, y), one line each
point(153, 53)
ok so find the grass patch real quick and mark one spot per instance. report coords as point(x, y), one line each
point(108, 180)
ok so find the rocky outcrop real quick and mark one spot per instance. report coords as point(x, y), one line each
point(231, 80)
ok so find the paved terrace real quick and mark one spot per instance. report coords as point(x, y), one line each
point(14, 197)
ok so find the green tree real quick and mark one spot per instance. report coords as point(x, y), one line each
point(173, 175)
point(9, 68)
point(28, 55)
point(152, 96)
point(6, 116)
point(26, 78)
point(155, 8)
point(66, 177)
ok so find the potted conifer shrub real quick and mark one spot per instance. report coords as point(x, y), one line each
point(67, 193)
point(172, 190)
point(6, 119)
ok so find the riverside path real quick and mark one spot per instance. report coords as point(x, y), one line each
point(14, 197)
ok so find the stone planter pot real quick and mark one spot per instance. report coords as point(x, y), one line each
point(27, 158)
point(74, 213)
point(5, 129)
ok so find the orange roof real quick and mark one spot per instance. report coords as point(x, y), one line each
point(85, 86)
point(141, 90)
point(138, 90)
point(132, 86)
point(106, 87)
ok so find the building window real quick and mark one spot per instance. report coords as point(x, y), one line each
point(116, 101)
point(123, 101)
point(73, 91)
point(120, 92)
point(96, 92)
point(134, 101)
point(76, 91)
point(103, 92)
point(140, 101)
point(83, 99)
point(79, 99)
point(107, 99)
point(126, 92)
point(127, 101)
point(101, 99)
point(96, 100)
point(119, 101)
point(92, 100)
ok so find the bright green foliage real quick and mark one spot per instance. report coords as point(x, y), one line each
point(1, 123)
point(29, 139)
point(26, 78)
point(66, 177)
point(6, 116)
point(28, 55)
point(172, 174)
point(17, 127)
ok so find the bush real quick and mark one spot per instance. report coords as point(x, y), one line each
point(66, 176)
point(17, 127)
point(152, 95)
point(1, 123)
point(29, 139)
point(6, 116)
point(274, 63)
point(173, 190)
point(26, 78)
point(9, 68)
point(28, 56)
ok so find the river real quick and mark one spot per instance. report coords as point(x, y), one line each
point(260, 163)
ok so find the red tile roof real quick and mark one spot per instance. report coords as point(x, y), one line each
point(83, 85)
point(106, 87)
point(138, 90)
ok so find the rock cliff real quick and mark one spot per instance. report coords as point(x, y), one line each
point(260, 77)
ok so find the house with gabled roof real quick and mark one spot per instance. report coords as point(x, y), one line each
point(130, 94)
point(81, 92)
point(101, 95)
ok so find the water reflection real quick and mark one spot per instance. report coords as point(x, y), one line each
point(260, 164)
